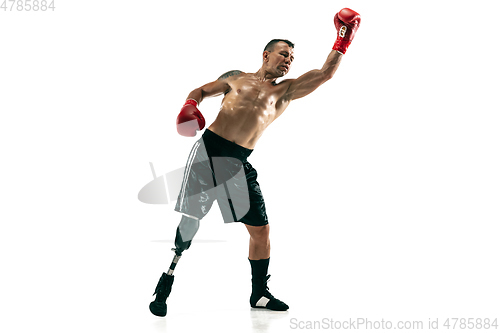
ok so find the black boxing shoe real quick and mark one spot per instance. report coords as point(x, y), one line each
point(262, 298)
point(159, 306)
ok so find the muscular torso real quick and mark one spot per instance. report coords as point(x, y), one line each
point(248, 108)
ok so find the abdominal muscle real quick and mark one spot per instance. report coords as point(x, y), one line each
point(243, 120)
point(247, 109)
point(241, 126)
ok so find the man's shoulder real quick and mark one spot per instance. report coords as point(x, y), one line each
point(230, 74)
point(284, 83)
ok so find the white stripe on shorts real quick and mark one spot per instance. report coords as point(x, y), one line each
point(187, 172)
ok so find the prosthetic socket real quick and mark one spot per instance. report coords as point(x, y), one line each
point(185, 232)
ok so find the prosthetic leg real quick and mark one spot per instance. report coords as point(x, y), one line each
point(185, 232)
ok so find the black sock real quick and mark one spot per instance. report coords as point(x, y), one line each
point(259, 268)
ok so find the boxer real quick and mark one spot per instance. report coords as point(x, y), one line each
point(252, 101)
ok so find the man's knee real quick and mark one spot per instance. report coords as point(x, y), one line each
point(259, 233)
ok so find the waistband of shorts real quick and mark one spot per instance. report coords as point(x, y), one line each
point(216, 145)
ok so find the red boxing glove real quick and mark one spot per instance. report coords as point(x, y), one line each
point(190, 119)
point(347, 22)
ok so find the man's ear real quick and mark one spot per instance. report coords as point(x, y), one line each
point(265, 56)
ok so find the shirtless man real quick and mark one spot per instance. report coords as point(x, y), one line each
point(252, 101)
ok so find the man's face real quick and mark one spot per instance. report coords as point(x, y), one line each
point(280, 59)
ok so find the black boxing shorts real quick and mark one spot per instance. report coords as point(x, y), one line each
point(217, 169)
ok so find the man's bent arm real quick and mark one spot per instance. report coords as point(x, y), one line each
point(211, 89)
point(216, 88)
point(310, 81)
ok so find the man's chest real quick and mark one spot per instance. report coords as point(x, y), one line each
point(252, 90)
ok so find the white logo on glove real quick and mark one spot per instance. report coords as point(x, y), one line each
point(342, 31)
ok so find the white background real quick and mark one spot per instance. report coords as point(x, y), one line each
point(382, 187)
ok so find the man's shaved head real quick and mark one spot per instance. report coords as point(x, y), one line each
point(270, 46)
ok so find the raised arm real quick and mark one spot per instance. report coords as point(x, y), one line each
point(347, 22)
point(310, 81)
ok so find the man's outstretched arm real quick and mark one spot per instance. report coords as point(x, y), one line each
point(347, 22)
point(310, 81)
